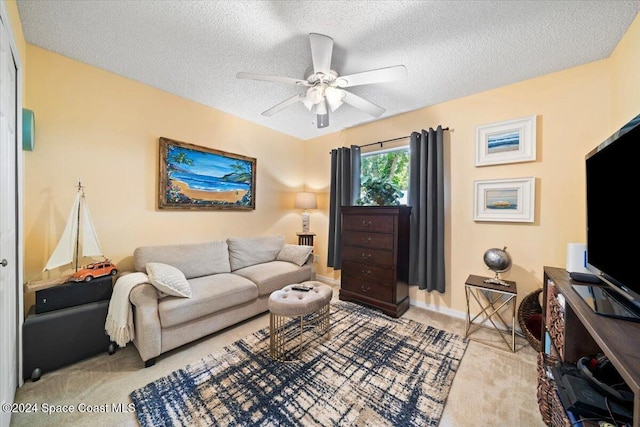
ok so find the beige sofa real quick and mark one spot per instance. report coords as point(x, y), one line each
point(230, 281)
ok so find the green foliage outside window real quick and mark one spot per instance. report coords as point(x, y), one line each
point(384, 177)
point(393, 165)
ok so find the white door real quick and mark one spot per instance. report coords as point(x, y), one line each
point(9, 347)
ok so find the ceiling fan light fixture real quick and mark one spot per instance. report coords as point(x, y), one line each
point(334, 97)
point(325, 88)
point(307, 103)
point(320, 108)
point(315, 94)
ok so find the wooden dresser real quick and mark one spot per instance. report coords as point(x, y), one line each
point(375, 257)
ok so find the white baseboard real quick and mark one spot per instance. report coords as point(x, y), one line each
point(328, 281)
point(443, 310)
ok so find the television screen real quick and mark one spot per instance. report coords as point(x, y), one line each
point(613, 182)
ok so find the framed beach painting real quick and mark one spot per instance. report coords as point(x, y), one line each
point(511, 141)
point(510, 200)
point(194, 177)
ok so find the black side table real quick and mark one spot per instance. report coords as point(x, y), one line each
point(488, 296)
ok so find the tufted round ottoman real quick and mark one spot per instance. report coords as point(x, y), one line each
point(312, 307)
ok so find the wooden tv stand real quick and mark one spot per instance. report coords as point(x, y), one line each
point(586, 333)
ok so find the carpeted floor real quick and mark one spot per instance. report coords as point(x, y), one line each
point(371, 370)
point(491, 387)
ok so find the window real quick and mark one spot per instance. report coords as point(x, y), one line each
point(392, 163)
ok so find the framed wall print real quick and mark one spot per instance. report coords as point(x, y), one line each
point(511, 141)
point(510, 200)
point(194, 177)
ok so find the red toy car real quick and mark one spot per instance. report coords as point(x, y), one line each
point(93, 270)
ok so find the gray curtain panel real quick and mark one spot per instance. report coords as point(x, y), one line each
point(426, 198)
point(345, 189)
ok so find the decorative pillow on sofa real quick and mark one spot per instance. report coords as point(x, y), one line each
point(247, 251)
point(168, 279)
point(297, 254)
point(193, 259)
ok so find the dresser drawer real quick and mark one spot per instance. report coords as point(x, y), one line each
point(367, 272)
point(368, 240)
point(376, 223)
point(367, 288)
point(369, 256)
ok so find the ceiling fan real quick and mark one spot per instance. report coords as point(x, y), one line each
point(325, 87)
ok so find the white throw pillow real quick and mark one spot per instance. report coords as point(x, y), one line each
point(168, 279)
point(297, 254)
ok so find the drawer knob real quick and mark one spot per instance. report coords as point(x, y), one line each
point(366, 223)
point(366, 256)
point(366, 271)
point(366, 239)
point(365, 288)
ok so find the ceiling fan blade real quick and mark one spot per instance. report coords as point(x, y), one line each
point(284, 104)
point(321, 51)
point(381, 75)
point(363, 104)
point(277, 79)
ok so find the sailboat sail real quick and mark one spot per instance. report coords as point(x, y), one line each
point(90, 243)
point(65, 250)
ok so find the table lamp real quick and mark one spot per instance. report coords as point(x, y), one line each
point(306, 201)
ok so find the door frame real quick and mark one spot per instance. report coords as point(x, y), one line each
point(19, 303)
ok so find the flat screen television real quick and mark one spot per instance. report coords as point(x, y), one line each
point(613, 223)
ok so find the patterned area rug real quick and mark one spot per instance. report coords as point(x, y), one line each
point(372, 370)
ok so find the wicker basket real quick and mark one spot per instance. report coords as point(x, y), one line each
point(551, 409)
point(555, 324)
point(529, 306)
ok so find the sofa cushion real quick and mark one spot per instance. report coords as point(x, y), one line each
point(193, 259)
point(247, 251)
point(297, 254)
point(210, 294)
point(168, 279)
point(275, 275)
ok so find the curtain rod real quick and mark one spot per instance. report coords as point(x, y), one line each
point(390, 140)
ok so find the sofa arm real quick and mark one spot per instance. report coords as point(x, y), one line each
point(310, 263)
point(309, 260)
point(146, 320)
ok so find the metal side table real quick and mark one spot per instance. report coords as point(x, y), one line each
point(491, 299)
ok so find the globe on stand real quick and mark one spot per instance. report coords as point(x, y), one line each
point(498, 261)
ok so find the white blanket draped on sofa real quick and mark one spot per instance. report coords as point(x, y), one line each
point(119, 323)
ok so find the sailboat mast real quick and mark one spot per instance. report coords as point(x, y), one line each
point(77, 249)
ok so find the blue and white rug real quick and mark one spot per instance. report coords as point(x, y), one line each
point(372, 370)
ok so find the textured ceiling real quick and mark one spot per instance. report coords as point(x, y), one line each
point(450, 48)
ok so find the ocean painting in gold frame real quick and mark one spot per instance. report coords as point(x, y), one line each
point(195, 177)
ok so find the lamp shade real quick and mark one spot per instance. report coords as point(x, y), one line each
point(306, 200)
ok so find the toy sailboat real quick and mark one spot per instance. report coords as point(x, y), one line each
point(79, 238)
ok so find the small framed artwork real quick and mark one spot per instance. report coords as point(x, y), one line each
point(511, 141)
point(510, 200)
point(194, 177)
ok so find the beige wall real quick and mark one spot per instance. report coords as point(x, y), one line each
point(576, 109)
point(104, 129)
point(625, 69)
